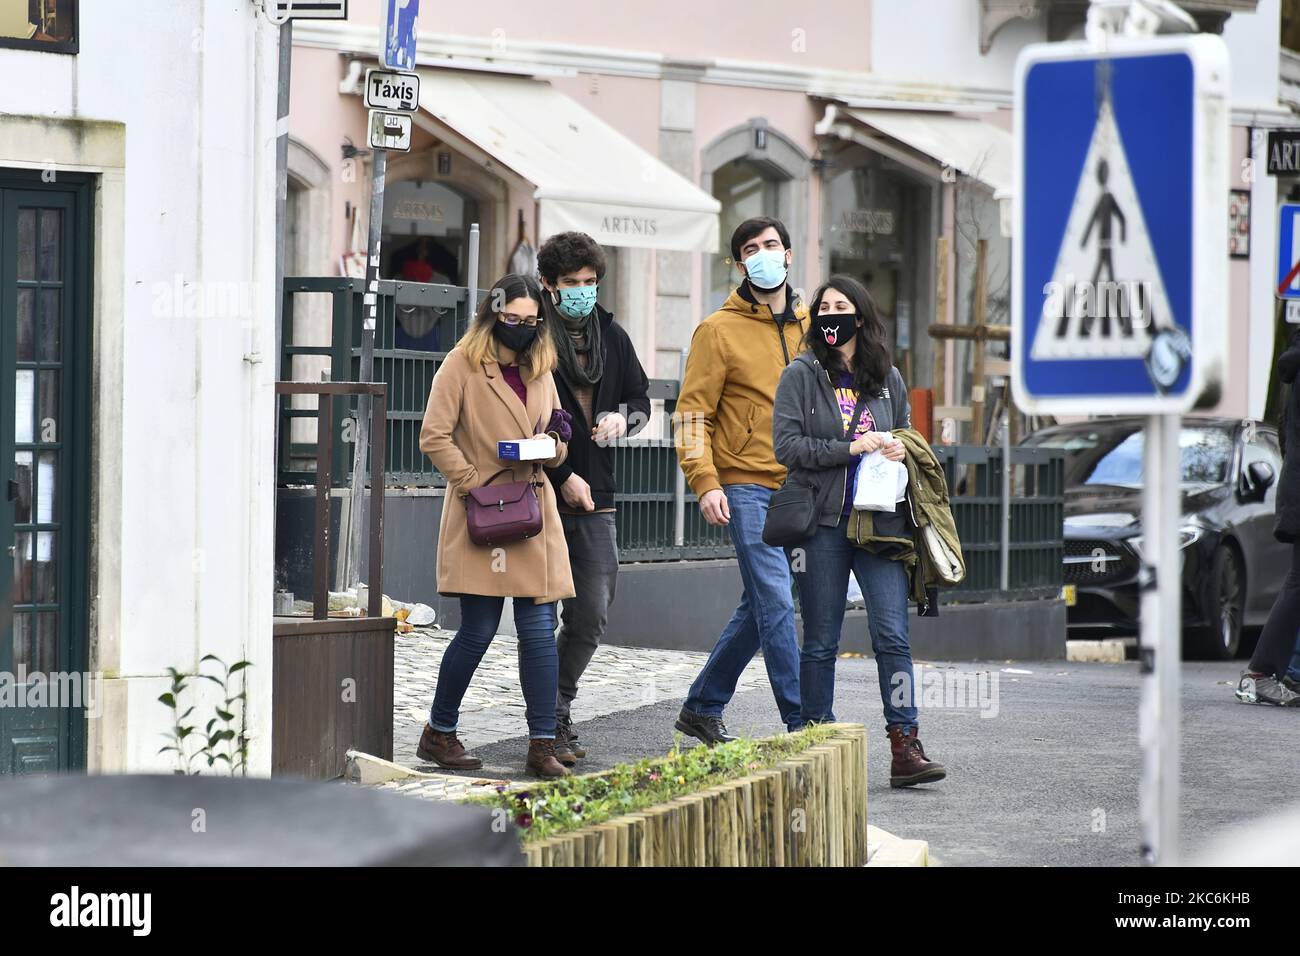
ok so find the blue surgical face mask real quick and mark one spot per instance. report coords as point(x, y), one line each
point(577, 301)
point(766, 269)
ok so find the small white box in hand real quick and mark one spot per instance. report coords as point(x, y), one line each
point(527, 449)
point(880, 483)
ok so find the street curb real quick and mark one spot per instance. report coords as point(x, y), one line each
point(1110, 651)
point(368, 770)
point(885, 849)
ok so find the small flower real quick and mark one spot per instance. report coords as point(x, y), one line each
point(654, 776)
point(681, 779)
point(524, 821)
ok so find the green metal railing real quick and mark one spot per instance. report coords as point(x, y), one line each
point(1037, 513)
point(407, 372)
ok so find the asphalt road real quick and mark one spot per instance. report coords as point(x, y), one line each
point(1049, 778)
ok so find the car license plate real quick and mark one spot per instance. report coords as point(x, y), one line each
point(1071, 594)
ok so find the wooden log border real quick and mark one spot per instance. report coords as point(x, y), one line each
point(808, 810)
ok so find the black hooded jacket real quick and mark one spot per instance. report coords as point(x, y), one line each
point(1287, 524)
point(623, 388)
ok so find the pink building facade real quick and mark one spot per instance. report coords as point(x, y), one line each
point(878, 131)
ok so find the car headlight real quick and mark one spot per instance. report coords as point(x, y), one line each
point(1188, 534)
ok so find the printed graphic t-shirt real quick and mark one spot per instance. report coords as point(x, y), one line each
point(848, 400)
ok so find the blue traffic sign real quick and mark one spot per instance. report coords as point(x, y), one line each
point(1119, 286)
point(397, 47)
point(1287, 285)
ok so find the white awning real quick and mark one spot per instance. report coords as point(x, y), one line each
point(970, 146)
point(589, 176)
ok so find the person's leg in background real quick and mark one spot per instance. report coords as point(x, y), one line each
point(821, 571)
point(593, 557)
point(885, 592)
point(479, 617)
point(538, 670)
point(1262, 682)
point(765, 618)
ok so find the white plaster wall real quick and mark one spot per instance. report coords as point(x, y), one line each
point(195, 89)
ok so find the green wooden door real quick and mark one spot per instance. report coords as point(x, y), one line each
point(44, 368)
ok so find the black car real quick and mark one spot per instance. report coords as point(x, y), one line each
point(1232, 566)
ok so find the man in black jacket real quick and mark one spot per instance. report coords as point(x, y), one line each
point(602, 385)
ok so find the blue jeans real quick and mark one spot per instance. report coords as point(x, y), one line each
point(823, 584)
point(538, 668)
point(765, 617)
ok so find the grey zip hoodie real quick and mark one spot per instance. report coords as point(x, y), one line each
point(808, 429)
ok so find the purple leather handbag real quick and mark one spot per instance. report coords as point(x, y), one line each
point(499, 514)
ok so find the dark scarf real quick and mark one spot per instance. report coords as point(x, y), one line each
point(566, 333)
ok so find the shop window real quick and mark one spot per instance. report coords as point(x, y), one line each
point(48, 25)
point(878, 230)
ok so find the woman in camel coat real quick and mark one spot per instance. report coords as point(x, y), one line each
point(496, 385)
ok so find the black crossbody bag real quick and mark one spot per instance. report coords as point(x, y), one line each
point(792, 514)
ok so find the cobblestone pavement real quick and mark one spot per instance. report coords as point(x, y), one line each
point(618, 679)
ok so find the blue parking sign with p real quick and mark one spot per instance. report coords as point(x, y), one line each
point(397, 46)
point(1116, 274)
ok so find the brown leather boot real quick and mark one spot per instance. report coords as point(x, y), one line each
point(542, 761)
point(563, 752)
point(445, 750)
point(910, 765)
point(564, 732)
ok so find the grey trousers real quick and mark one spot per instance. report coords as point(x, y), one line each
point(593, 559)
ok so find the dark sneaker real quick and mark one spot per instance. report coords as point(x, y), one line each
point(704, 727)
point(1264, 689)
point(564, 733)
point(1290, 683)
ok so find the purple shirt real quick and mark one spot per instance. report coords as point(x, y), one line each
point(516, 382)
point(848, 401)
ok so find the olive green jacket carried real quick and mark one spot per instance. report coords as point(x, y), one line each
point(932, 554)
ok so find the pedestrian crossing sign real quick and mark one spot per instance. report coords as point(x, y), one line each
point(1119, 255)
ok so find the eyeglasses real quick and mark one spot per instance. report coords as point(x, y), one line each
point(509, 318)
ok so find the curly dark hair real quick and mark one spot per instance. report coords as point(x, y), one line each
point(871, 358)
point(567, 252)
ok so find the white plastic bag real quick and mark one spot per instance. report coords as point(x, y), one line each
point(880, 483)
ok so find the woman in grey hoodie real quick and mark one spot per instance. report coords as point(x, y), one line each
point(836, 402)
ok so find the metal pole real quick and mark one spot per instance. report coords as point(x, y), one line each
point(471, 278)
point(281, 201)
point(352, 562)
point(1006, 498)
point(1161, 650)
point(679, 487)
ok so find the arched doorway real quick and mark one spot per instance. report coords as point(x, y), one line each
point(753, 170)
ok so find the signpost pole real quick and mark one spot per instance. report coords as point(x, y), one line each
point(370, 308)
point(1161, 651)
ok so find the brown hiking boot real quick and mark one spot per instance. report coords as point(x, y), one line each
point(445, 750)
point(542, 760)
point(910, 765)
point(564, 735)
point(563, 752)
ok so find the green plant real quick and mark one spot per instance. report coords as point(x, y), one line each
point(226, 727)
point(572, 802)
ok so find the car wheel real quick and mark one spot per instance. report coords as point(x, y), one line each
point(1220, 639)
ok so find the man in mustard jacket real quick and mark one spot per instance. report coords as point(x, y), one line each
point(723, 427)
